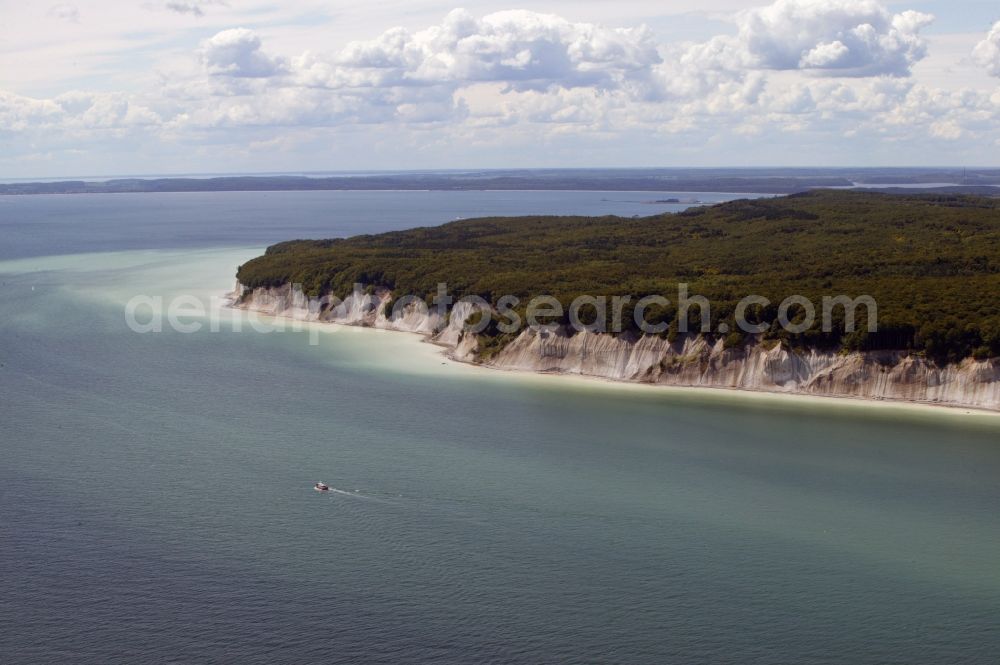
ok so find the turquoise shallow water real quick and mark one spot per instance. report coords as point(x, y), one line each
point(156, 501)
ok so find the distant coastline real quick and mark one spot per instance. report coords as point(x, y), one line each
point(738, 181)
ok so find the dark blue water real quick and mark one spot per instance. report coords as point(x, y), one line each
point(156, 501)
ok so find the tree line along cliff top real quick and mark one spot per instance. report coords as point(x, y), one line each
point(931, 262)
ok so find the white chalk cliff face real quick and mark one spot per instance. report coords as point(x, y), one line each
point(889, 375)
point(368, 310)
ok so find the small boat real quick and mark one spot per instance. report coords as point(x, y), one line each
point(321, 487)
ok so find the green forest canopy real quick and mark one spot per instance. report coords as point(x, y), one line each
point(932, 263)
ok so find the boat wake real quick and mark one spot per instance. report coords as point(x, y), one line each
point(368, 495)
point(354, 494)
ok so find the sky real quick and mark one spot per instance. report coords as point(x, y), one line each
point(241, 86)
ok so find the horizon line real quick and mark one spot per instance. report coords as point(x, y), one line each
point(411, 171)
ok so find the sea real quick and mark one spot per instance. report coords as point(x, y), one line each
point(157, 501)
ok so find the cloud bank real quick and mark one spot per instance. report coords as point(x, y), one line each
point(835, 68)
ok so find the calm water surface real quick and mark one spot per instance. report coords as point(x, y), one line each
point(156, 501)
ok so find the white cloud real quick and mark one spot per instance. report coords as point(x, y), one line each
point(73, 112)
point(525, 49)
point(855, 38)
point(19, 113)
point(987, 52)
point(946, 129)
point(237, 52)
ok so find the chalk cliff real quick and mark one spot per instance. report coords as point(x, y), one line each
point(691, 361)
point(366, 309)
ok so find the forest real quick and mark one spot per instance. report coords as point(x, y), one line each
point(930, 261)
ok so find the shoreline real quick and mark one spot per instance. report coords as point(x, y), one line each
point(567, 378)
point(738, 392)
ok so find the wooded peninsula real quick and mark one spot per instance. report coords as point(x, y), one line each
point(930, 261)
